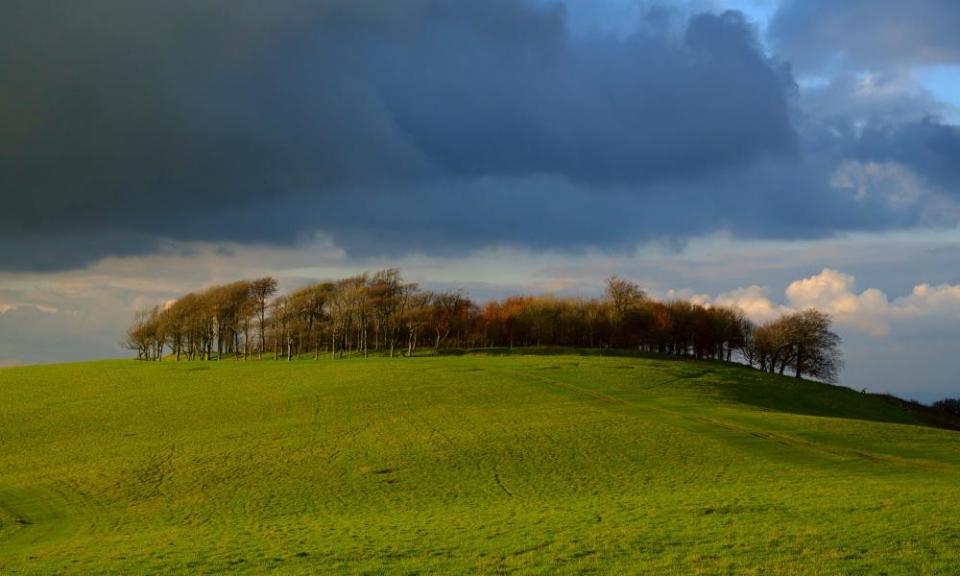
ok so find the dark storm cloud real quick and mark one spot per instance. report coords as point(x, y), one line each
point(421, 125)
point(127, 121)
point(601, 110)
point(867, 33)
point(929, 147)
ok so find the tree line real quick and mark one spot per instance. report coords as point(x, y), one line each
point(381, 313)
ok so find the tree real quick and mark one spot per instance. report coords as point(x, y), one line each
point(446, 310)
point(387, 295)
point(260, 291)
point(814, 348)
point(309, 305)
point(229, 304)
point(948, 405)
point(744, 344)
point(623, 294)
point(772, 347)
point(347, 305)
point(415, 317)
point(802, 341)
point(175, 319)
point(280, 319)
point(339, 311)
point(143, 335)
point(247, 310)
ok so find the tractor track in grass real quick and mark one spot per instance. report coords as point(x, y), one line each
point(496, 477)
point(838, 451)
point(36, 515)
point(486, 466)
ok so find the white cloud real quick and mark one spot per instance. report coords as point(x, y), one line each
point(753, 301)
point(683, 294)
point(870, 311)
point(833, 292)
point(927, 300)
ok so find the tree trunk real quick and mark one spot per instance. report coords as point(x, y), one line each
point(263, 317)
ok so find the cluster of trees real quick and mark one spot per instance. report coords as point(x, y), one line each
point(382, 313)
point(948, 405)
point(221, 318)
point(801, 341)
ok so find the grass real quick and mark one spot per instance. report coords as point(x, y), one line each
point(469, 464)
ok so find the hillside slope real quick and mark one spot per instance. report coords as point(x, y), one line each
point(473, 464)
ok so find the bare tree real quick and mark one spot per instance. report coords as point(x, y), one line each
point(280, 317)
point(815, 348)
point(142, 336)
point(260, 291)
point(348, 314)
point(744, 343)
point(446, 309)
point(309, 305)
point(388, 296)
point(176, 321)
point(416, 317)
point(771, 347)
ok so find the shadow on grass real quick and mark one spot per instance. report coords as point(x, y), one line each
point(751, 387)
point(748, 386)
point(553, 351)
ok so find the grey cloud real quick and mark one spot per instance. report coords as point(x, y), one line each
point(601, 110)
point(891, 97)
point(867, 33)
point(430, 126)
point(929, 147)
point(788, 198)
point(131, 121)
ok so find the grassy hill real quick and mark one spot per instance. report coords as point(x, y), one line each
point(472, 464)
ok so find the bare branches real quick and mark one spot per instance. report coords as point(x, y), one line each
point(802, 342)
point(260, 291)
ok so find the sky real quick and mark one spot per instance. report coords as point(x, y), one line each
point(774, 155)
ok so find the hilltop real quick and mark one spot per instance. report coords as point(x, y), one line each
point(566, 463)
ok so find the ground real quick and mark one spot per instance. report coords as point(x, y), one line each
point(472, 464)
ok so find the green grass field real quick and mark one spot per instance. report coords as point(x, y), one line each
point(472, 464)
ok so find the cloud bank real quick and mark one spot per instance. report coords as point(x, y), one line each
point(430, 126)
